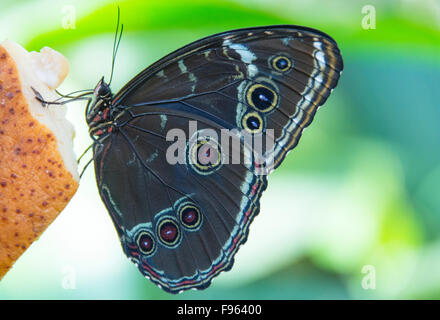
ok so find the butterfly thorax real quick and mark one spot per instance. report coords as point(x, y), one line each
point(99, 113)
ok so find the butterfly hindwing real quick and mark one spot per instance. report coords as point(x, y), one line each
point(183, 222)
point(225, 198)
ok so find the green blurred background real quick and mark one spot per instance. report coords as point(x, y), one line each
point(354, 210)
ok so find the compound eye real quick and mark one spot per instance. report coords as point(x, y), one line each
point(102, 89)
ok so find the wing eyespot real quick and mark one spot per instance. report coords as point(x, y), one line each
point(146, 243)
point(190, 216)
point(280, 63)
point(205, 155)
point(168, 232)
point(252, 122)
point(262, 97)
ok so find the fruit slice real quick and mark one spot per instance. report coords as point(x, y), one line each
point(38, 171)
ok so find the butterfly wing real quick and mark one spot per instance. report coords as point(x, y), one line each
point(296, 68)
point(183, 222)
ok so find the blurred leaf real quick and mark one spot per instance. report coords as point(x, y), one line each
point(160, 15)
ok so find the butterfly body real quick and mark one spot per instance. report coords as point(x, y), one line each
point(183, 222)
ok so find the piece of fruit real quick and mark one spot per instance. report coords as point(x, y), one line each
point(38, 170)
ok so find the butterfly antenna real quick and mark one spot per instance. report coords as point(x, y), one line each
point(116, 41)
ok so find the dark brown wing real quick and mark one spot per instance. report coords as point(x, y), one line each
point(182, 223)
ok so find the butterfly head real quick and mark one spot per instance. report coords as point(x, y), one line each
point(102, 90)
point(98, 111)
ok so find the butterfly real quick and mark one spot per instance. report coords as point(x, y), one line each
point(181, 220)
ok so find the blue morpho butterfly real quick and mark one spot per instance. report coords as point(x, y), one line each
point(183, 222)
